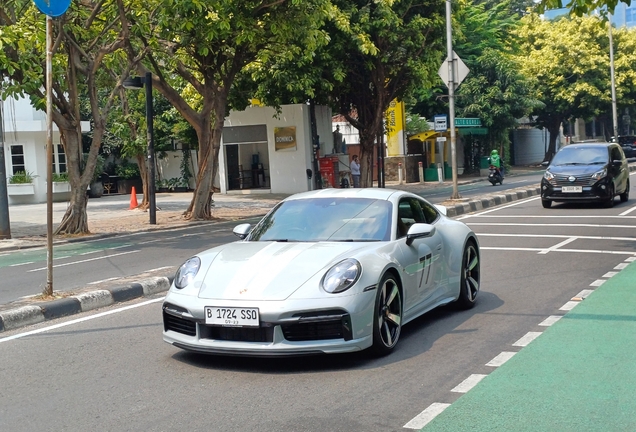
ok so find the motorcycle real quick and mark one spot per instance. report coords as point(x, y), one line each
point(494, 176)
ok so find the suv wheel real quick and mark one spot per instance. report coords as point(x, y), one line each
point(625, 195)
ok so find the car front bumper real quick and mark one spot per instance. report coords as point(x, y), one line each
point(599, 191)
point(287, 328)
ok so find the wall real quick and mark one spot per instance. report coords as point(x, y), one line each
point(530, 146)
point(287, 169)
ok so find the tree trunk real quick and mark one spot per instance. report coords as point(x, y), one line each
point(553, 129)
point(143, 171)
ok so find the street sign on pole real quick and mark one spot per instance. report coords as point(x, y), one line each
point(460, 71)
point(52, 8)
point(440, 123)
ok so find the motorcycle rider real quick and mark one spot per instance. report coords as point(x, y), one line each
point(495, 161)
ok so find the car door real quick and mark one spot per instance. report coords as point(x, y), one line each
point(420, 259)
point(619, 173)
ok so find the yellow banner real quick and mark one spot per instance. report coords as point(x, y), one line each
point(395, 128)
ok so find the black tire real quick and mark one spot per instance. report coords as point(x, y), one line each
point(470, 277)
point(546, 203)
point(610, 199)
point(625, 194)
point(501, 181)
point(387, 315)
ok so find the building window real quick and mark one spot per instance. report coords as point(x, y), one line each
point(17, 159)
point(59, 159)
point(630, 16)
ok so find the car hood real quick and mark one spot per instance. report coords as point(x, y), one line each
point(267, 270)
point(575, 170)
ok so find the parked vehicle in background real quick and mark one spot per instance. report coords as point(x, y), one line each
point(586, 172)
point(628, 144)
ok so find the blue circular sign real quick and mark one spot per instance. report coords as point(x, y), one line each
point(53, 8)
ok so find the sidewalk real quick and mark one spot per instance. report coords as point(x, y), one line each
point(578, 375)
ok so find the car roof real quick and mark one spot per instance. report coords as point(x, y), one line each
point(589, 144)
point(371, 193)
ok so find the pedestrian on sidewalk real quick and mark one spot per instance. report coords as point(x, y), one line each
point(355, 171)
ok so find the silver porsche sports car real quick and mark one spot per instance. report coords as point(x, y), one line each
point(327, 271)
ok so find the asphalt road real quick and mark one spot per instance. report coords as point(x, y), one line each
point(110, 370)
point(103, 261)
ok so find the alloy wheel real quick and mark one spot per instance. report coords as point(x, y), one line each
point(389, 313)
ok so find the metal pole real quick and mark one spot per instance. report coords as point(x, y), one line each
point(48, 289)
point(151, 150)
point(614, 111)
point(451, 98)
point(5, 224)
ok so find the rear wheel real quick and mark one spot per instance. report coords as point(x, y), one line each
point(470, 277)
point(546, 203)
point(387, 318)
point(610, 199)
point(625, 195)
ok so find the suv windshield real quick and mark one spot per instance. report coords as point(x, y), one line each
point(576, 155)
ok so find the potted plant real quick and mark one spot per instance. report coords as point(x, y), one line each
point(21, 183)
point(60, 183)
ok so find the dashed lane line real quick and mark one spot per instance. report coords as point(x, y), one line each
point(83, 261)
point(526, 339)
point(425, 417)
point(501, 358)
point(550, 320)
point(468, 383)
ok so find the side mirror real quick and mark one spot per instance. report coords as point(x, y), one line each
point(545, 163)
point(419, 230)
point(617, 163)
point(242, 230)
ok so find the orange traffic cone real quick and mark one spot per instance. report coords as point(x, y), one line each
point(133, 199)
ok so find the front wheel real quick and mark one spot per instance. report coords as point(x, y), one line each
point(625, 194)
point(470, 277)
point(546, 203)
point(387, 317)
point(610, 199)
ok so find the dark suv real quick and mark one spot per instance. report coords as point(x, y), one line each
point(586, 173)
point(628, 143)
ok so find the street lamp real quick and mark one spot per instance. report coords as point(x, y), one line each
point(136, 83)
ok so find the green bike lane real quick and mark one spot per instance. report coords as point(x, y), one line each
point(28, 256)
point(578, 375)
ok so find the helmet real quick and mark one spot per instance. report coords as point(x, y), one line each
point(494, 152)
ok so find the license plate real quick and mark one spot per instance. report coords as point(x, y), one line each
point(572, 189)
point(234, 317)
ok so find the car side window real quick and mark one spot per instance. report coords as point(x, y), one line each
point(430, 213)
point(616, 154)
point(409, 212)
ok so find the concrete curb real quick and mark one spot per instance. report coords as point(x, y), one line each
point(33, 314)
point(491, 201)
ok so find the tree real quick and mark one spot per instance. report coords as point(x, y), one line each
point(86, 38)
point(207, 45)
point(567, 63)
point(580, 7)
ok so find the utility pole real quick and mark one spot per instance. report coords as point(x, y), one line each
point(614, 110)
point(5, 224)
point(451, 97)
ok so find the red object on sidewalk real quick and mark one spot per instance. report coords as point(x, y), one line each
point(133, 199)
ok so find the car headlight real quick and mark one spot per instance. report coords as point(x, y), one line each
point(187, 272)
point(341, 276)
point(548, 176)
point(599, 174)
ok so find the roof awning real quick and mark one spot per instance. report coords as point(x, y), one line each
point(423, 136)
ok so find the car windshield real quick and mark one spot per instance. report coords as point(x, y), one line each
point(575, 155)
point(326, 219)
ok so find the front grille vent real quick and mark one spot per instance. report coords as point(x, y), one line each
point(179, 325)
point(309, 331)
point(583, 180)
point(238, 334)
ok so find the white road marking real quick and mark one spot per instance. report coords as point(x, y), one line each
point(423, 418)
point(158, 268)
point(21, 264)
point(550, 320)
point(91, 252)
point(558, 236)
point(597, 283)
point(555, 217)
point(83, 261)
point(501, 359)
point(103, 280)
point(621, 266)
point(119, 247)
point(626, 212)
point(569, 306)
point(610, 274)
point(526, 339)
point(557, 246)
point(78, 320)
point(584, 293)
point(630, 259)
point(499, 208)
point(468, 383)
point(550, 225)
point(501, 249)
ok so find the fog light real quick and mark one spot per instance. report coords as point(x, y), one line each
point(544, 187)
point(603, 187)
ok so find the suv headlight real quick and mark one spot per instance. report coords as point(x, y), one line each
point(599, 174)
point(187, 272)
point(341, 276)
point(548, 175)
